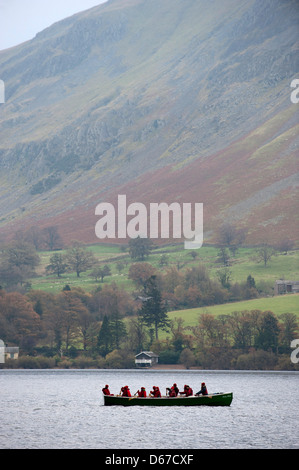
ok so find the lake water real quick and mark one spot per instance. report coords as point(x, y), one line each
point(63, 409)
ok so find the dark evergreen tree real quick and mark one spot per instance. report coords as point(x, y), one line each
point(117, 329)
point(267, 337)
point(153, 310)
point(250, 282)
point(38, 308)
point(104, 338)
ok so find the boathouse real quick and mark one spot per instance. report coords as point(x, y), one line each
point(11, 352)
point(146, 359)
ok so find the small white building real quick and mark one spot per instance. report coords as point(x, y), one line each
point(146, 359)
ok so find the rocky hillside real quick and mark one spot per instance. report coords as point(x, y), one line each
point(169, 100)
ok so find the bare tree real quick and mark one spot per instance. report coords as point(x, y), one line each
point(52, 238)
point(57, 264)
point(101, 272)
point(265, 253)
point(231, 237)
point(34, 235)
point(227, 234)
point(79, 259)
point(223, 256)
point(285, 245)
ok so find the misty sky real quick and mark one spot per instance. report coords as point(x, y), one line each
point(20, 20)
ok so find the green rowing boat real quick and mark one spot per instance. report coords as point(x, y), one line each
point(215, 399)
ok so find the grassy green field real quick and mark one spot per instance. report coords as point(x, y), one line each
point(104, 254)
point(278, 305)
point(244, 263)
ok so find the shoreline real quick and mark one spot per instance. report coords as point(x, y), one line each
point(156, 367)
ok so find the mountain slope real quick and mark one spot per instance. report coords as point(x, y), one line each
point(162, 101)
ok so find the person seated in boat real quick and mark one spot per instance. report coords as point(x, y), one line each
point(173, 391)
point(106, 390)
point(126, 391)
point(156, 392)
point(142, 392)
point(203, 390)
point(188, 392)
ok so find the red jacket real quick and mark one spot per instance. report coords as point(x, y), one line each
point(106, 391)
point(142, 393)
point(126, 392)
point(156, 392)
point(187, 391)
point(174, 391)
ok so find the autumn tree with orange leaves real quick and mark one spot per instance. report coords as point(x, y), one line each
point(19, 323)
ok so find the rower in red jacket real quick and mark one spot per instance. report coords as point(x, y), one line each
point(106, 390)
point(156, 392)
point(188, 392)
point(126, 391)
point(173, 391)
point(142, 393)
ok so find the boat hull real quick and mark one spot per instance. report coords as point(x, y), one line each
point(216, 399)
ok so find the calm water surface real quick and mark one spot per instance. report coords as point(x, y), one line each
point(64, 409)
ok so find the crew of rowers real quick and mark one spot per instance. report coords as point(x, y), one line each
point(171, 392)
